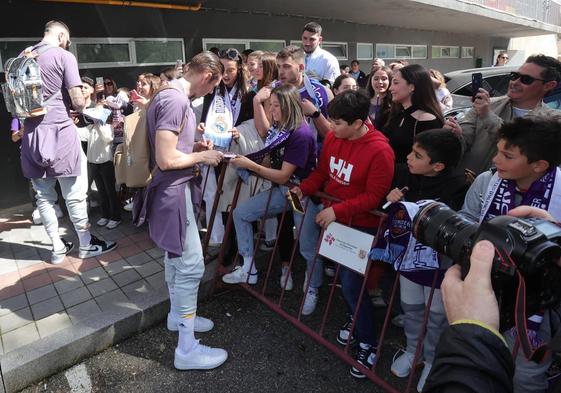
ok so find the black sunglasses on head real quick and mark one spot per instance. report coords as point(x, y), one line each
point(524, 79)
point(231, 54)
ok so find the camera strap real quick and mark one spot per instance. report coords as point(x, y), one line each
point(539, 353)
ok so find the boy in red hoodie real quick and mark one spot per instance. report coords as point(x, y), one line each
point(356, 166)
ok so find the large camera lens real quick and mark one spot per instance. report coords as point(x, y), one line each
point(444, 230)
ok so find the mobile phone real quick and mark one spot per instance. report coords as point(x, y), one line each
point(476, 84)
point(178, 63)
point(295, 202)
point(99, 80)
point(3, 78)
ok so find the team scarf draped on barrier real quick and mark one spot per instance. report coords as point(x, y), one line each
point(223, 113)
point(276, 139)
point(398, 247)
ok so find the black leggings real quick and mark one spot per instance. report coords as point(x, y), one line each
point(104, 176)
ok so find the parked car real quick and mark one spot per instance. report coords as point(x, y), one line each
point(495, 81)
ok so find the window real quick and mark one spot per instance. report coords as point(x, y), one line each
point(401, 51)
point(152, 51)
point(337, 49)
point(445, 52)
point(243, 44)
point(109, 52)
point(96, 53)
point(467, 52)
point(364, 51)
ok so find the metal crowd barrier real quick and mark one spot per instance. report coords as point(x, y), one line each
point(383, 379)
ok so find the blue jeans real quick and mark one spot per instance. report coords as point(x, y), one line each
point(309, 238)
point(183, 274)
point(351, 283)
point(253, 209)
point(74, 190)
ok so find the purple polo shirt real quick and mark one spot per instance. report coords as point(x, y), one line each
point(162, 203)
point(50, 145)
point(300, 150)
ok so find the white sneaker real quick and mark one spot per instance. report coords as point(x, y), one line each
point(402, 364)
point(102, 222)
point(128, 207)
point(286, 277)
point(310, 301)
point(398, 320)
point(202, 325)
point(238, 276)
point(200, 357)
point(423, 378)
point(58, 256)
point(112, 224)
point(36, 217)
point(378, 302)
point(95, 248)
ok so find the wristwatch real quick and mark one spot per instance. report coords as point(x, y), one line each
point(315, 115)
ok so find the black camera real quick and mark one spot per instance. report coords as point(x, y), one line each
point(531, 246)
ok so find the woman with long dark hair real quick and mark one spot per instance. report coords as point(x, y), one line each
point(414, 109)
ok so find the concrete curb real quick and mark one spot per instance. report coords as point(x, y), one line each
point(38, 360)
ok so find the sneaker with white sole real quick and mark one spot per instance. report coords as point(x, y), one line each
point(378, 302)
point(424, 376)
point(345, 333)
point(102, 221)
point(202, 325)
point(96, 247)
point(286, 277)
point(200, 357)
point(112, 224)
point(366, 355)
point(402, 364)
point(58, 256)
point(398, 320)
point(267, 245)
point(310, 302)
point(238, 276)
point(129, 205)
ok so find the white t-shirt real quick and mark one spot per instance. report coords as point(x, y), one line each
point(321, 64)
point(517, 112)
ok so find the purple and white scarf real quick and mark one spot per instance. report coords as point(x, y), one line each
point(500, 196)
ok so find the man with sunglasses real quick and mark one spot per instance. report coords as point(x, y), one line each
point(534, 79)
point(50, 148)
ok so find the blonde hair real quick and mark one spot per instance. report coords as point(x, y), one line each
point(291, 110)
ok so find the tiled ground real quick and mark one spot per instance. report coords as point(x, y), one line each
point(38, 299)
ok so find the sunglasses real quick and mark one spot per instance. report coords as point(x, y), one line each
point(230, 54)
point(524, 79)
point(108, 83)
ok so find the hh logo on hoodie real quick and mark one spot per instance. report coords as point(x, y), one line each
point(340, 170)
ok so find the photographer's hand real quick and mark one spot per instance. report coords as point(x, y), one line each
point(472, 299)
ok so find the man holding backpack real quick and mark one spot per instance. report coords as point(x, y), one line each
point(50, 148)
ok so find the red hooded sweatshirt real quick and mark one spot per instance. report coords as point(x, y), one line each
point(359, 172)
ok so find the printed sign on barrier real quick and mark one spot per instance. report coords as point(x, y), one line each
point(346, 246)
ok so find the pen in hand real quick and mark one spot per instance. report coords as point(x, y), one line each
point(388, 203)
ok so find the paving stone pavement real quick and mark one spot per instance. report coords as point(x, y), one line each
point(38, 299)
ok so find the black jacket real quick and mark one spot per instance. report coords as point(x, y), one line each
point(470, 358)
point(448, 187)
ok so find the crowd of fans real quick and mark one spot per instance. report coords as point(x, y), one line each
point(297, 117)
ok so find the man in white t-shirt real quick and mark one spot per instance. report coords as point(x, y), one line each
point(320, 64)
